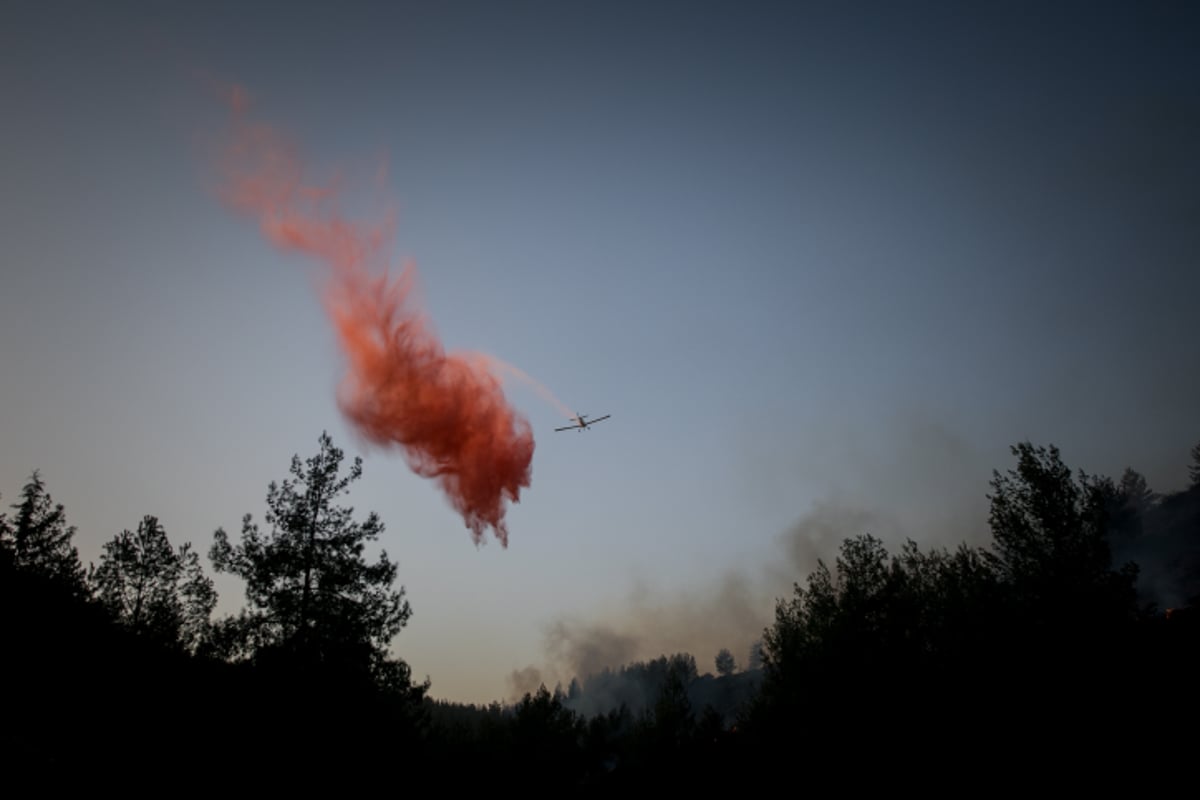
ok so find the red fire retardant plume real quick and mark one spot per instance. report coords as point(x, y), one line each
point(446, 412)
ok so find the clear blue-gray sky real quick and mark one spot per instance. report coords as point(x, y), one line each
point(819, 262)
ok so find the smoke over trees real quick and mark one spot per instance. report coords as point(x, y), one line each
point(1006, 651)
point(1158, 533)
point(725, 663)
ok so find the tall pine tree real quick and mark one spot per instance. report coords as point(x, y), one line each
point(315, 602)
point(38, 541)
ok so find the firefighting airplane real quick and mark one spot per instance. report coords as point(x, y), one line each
point(581, 422)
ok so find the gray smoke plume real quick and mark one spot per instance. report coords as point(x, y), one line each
point(936, 480)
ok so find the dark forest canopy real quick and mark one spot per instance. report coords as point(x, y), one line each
point(1077, 623)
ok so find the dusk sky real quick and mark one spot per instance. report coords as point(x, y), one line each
point(822, 263)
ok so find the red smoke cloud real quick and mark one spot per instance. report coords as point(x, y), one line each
point(447, 412)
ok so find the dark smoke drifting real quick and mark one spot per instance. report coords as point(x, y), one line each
point(446, 412)
point(929, 472)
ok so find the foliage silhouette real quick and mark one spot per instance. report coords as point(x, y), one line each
point(153, 589)
point(1028, 658)
point(546, 735)
point(38, 540)
point(315, 603)
point(69, 664)
point(1194, 467)
point(1051, 535)
point(1161, 534)
point(978, 642)
point(725, 663)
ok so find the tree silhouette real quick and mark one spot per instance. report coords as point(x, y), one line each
point(673, 716)
point(153, 589)
point(755, 658)
point(541, 717)
point(1129, 503)
point(199, 597)
point(1051, 536)
point(848, 614)
point(546, 737)
point(315, 601)
point(725, 663)
point(38, 541)
point(1135, 491)
point(1194, 467)
point(667, 728)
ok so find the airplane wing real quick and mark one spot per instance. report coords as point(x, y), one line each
point(583, 423)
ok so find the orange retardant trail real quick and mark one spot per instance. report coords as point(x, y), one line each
point(447, 412)
point(500, 366)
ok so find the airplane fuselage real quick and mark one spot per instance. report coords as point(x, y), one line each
point(581, 422)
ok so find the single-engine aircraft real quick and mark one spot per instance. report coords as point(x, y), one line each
point(581, 422)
